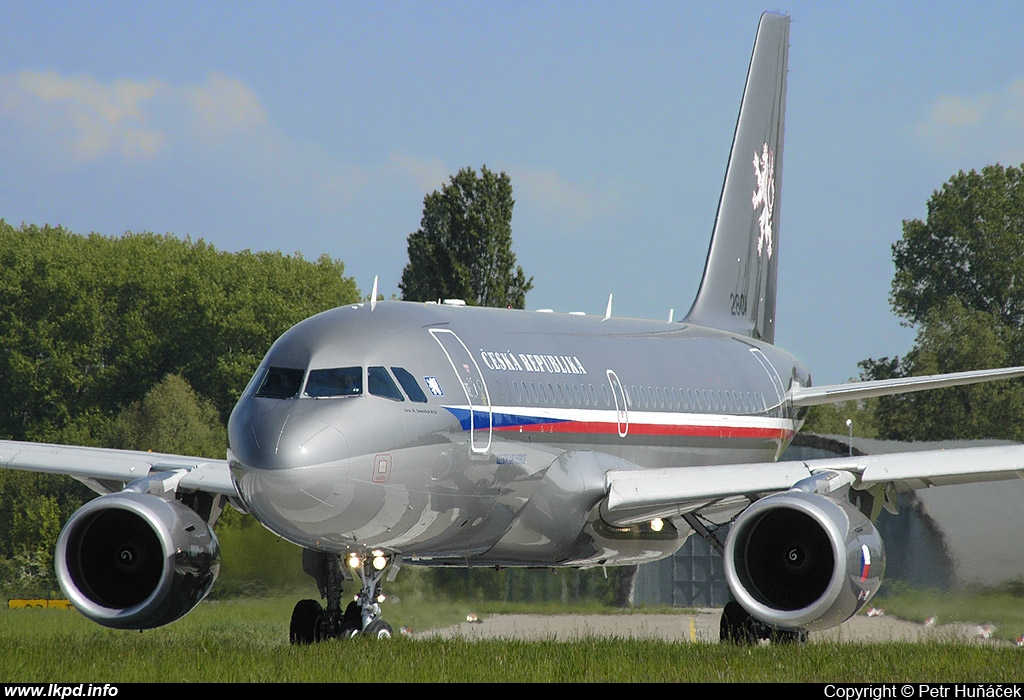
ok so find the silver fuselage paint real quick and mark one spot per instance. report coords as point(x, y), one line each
point(504, 463)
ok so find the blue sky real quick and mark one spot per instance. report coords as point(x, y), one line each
point(318, 127)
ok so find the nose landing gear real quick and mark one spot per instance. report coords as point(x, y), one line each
point(312, 622)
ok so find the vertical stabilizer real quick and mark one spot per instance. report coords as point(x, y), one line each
point(737, 292)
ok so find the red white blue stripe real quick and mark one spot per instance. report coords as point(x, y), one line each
point(598, 422)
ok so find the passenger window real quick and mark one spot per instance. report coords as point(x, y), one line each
point(281, 383)
point(380, 383)
point(335, 382)
point(408, 383)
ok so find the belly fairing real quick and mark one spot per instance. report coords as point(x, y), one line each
point(424, 500)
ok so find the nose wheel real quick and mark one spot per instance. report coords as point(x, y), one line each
point(311, 622)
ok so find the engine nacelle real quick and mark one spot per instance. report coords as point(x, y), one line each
point(136, 561)
point(802, 561)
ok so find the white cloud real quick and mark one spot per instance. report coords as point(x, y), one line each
point(217, 131)
point(222, 105)
point(567, 205)
point(573, 205)
point(988, 126)
point(423, 174)
point(83, 119)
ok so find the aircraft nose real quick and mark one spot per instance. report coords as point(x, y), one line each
point(281, 434)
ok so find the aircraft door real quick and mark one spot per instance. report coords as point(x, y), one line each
point(779, 410)
point(773, 375)
point(472, 380)
point(619, 397)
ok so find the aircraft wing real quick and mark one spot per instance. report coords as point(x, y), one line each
point(638, 495)
point(836, 393)
point(108, 470)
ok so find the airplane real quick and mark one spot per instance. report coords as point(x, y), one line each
point(382, 434)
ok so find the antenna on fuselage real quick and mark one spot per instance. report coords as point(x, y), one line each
point(373, 295)
point(608, 311)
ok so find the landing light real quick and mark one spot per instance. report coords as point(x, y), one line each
point(657, 524)
point(379, 562)
point(354, 562)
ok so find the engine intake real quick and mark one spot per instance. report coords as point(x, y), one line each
point(803, 561)
point(136, 561)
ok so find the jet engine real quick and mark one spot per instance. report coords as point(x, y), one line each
point(136, 561)
point(803, 561)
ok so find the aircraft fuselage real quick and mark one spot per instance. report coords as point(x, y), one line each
point(496, 453)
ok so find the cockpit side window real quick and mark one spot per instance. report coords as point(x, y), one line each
point(334, 383)
point(408, 383)
point(380, 383)
point(280, 383)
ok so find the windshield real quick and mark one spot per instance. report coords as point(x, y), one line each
point(280, 383)
point(335, 382)
point(408, 383)
point(381, 384)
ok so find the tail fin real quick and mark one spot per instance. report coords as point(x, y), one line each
point(737, 292)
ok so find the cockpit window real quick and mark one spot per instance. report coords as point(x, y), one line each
point(280, 383)
point(408, 383)
point(335, 382)
point(381, 384)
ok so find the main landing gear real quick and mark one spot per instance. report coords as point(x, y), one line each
point(740, 627)
point(311, 622)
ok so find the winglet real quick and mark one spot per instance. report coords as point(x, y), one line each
point(737, 292)
point(373, 295)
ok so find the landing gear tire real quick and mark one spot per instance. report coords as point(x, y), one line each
point(305, 624)
point(789, 637)
point(352, 622)
point(737, 625)
point(378, 629)
point(741, 628)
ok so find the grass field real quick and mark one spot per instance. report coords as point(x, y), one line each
point(1004, 607)
point(246, 641)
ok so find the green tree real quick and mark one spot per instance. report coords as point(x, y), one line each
point(33, 507)
point(463, 248)
point(830, 419)
point(171, 418)
point(959, 282)
point(89, 324)
point(952, 338)
point(140, 341)
point(970, 248)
